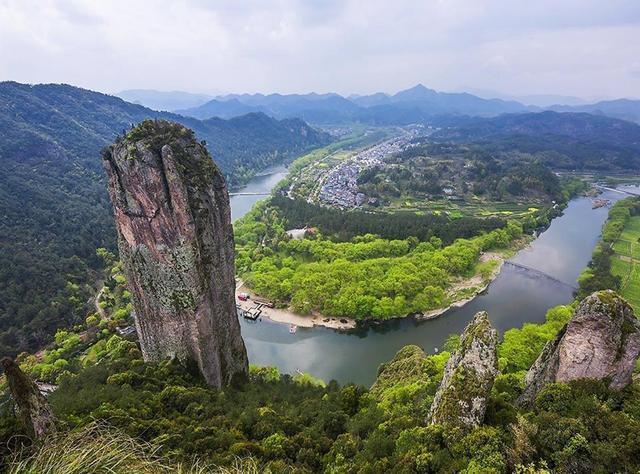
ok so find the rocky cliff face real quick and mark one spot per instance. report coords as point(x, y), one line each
point(601, 341)
point(175, 238)
point(461, 399)
point(32, 407)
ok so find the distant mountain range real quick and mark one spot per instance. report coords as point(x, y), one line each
point(54, 209)
point(164, 100)
point(624, 109)
point(409, 106)
point(412, 105)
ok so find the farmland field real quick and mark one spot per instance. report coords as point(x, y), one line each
point(626, 262)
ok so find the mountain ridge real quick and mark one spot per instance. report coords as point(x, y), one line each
point(624, 109)
point(415, 103)
point(163, 100)
point(418, 103)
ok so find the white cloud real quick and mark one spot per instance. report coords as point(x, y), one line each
point(578, 47)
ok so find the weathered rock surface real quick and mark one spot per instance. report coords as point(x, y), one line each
point(601, 341)
point(175, 238)
point(31, 406)
point(461, 399)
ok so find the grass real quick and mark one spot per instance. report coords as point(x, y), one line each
point(624, 248)
point(626, 262)
point(97, 449)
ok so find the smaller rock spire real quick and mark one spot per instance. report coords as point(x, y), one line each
point(461, 399)
point(601, 341)
point(32, 407)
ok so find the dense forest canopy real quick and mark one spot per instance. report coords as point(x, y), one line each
point(370, 277)
point(398, 225)
point(405, 269)
point(302, 424)
point(565, 140)
point(428, 170)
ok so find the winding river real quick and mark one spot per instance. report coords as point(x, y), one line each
point(515, 297)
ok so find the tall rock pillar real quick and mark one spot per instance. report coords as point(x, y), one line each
point(461, 400)
point(175, 238)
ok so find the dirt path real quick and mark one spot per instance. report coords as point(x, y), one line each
point(96, 302)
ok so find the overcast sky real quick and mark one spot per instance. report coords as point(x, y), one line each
point(585, 48)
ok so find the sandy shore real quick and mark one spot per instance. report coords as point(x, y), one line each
point(286, 316)
point(477, 283)
point(433, 314)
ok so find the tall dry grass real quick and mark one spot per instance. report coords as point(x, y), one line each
point(100, 449)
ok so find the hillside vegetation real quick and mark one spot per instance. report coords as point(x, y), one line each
point(615, 262)
point(562, 140)
point(605, 270)
point(117, 411)
point(53, 200)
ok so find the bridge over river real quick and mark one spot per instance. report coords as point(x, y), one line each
point(621, 191)
point(539, 273)
point(249, 194)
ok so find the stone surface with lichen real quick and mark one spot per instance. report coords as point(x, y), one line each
point(601, 341)
point(461, 399)
point(32, 407)
point(175, 239)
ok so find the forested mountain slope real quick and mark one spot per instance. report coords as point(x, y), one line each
point(570, 140)
point(54, 207)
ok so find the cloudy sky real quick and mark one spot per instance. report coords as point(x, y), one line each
point(584, 48)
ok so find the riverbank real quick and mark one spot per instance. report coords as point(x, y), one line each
point(286, 316)
point(461, 292)
point(468, 289)
point(475, 285)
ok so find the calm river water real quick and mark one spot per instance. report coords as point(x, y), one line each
point(515, 297)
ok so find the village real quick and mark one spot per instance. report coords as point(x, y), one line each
point(340, 187)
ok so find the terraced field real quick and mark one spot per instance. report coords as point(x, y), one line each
point(626, 262)
point(471, 208)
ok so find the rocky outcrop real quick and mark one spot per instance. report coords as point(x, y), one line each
point(31, 406)
point(601, 341)
point(406, 368)
point(175, 238)
point(461, 399)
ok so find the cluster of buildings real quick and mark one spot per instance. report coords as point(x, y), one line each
point(341, 184)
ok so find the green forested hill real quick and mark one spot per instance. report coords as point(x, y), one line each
point(562, 140)
point(54, 209)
